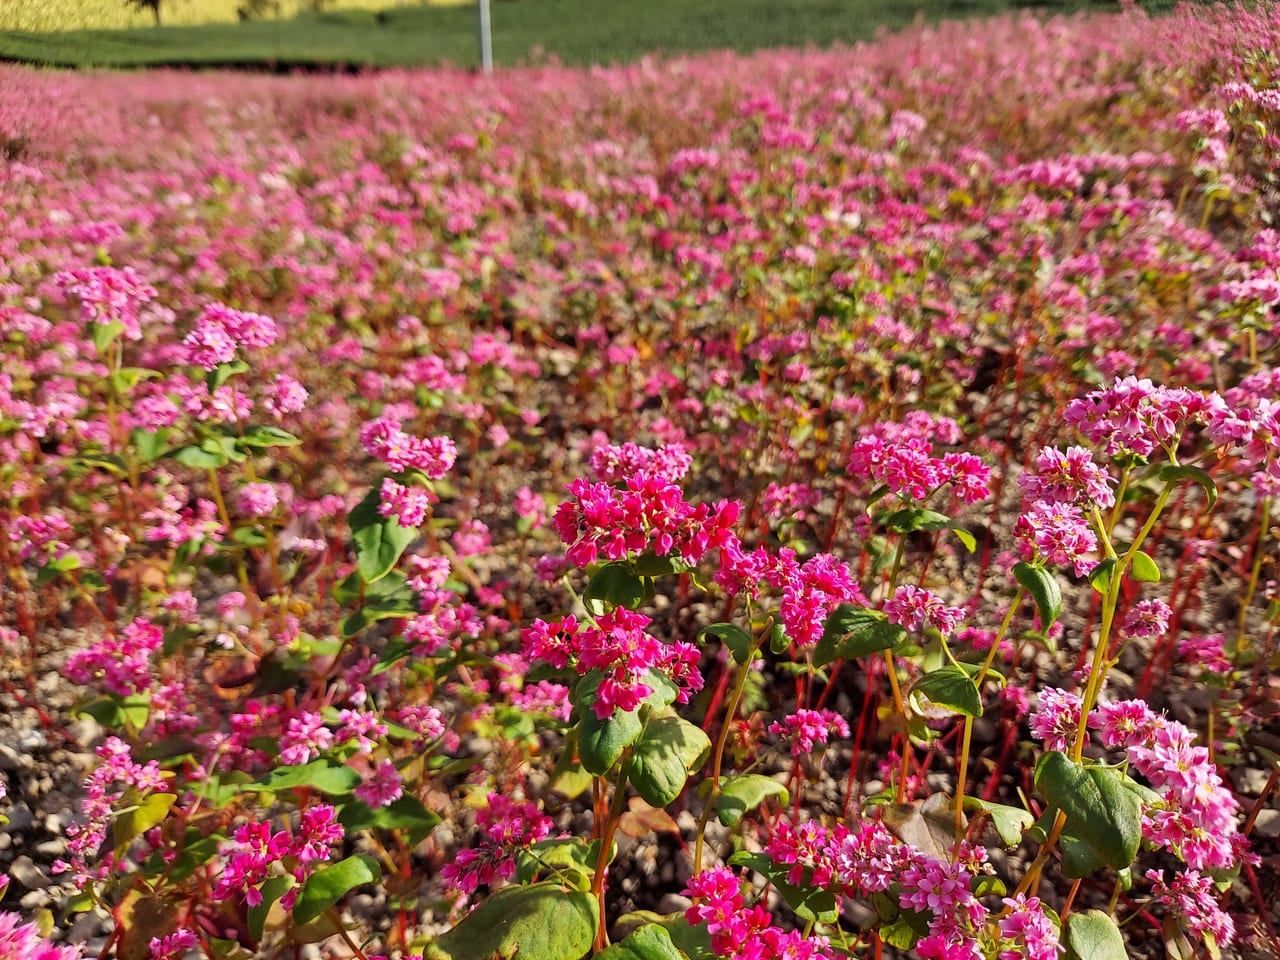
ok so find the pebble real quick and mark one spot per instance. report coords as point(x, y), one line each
point(35, 900)
point(673, 903)
point(54, 849)
point(28, 874)
point(1267, 823)
point(1250, 781)
point(20, 818)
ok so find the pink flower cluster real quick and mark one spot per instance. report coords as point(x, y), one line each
point(866, 859)
point(22, 941)
point(639, 510)
point(1193, 899)
point(805, 728)
point(256, 853)
point(1135, 416)
point(742, 932)
point(386, 441)
point(915, 608)
point(220, 330)
point(119, 664)
point(116, 773)
point(507, 826)
point(1197, 818)
point(908, 469)
point(1056, 718)
point(808, 592)
point(623, 653)
point(108, 295)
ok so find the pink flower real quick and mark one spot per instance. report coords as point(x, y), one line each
point(384, 786)
point(805, 728)
point(1056, 718)
point(1146, 618)
point(914, 608)
point(257, 499)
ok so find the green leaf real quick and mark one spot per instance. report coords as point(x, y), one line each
point(950, 687)
point(908, 929)
point(601, 742)
point(613, 585)
point(1170, 471)
point(318, 775)
point(1144, 568)
point(815, 904)
point(1100, 576)
point(115, 712)
point(1100, 811)
point(136, 819)
point(223, 372)
point(126, 378)
point(194, 855)
point(149, 445)
point(542, 921)
point(732, 636)
point(912, 519)
point(565, 853)
point(649, 565)
point(1009, 822)
point(407, 813)
point(370, 613)
point(379, 540)
point(394, 586)
point(650, 942)
point(329, 884)
point(1094, 936)
point(264, 435)
point(1044, 590)
point(852, 631)
point(746, 792)
point(104, 334)
point(198, 458)
point(779, 642)
point(272, 890)
point(667, 752)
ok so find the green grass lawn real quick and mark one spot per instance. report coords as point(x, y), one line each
point(575, 31)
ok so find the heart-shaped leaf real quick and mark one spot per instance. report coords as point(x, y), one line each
point(329, 884)
point(650, 942)
point(1100, 811)
point(950, 687)
point(613, 585)
point(542, 921)
point(1093, 935)
point(1044, 590)
point(852, 631)
point(667, 752)
point(746, 792)
point(601, 742)
point(379, 541)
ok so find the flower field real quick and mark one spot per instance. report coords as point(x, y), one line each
point(798, 505)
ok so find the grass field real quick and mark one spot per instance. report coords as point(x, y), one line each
point(57, 15)
point(574, 31)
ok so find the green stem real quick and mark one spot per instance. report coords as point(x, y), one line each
point(717, 757)
point(606, 847)
point(962, 773)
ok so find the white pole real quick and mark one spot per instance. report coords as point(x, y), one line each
point(486, 38)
